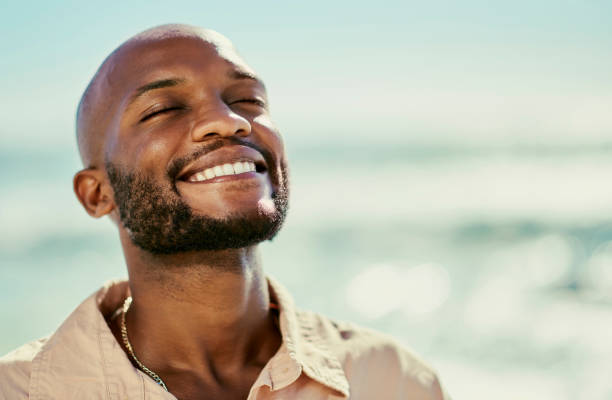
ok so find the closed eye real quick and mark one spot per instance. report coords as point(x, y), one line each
point(255, 101)
point(158, 112)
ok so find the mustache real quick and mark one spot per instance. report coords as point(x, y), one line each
point(177, 165)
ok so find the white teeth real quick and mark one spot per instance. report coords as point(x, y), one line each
point(209, 173)
point(238, 168)
point(248, 166)
point(228, 169)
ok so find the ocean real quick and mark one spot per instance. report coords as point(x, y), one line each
point(493, 263)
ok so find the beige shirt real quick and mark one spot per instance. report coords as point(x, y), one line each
point(318, 359)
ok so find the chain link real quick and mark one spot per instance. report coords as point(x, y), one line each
point(128, 346)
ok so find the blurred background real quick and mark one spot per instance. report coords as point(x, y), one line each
point(450, 166)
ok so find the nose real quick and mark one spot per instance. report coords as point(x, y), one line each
point(221, 121)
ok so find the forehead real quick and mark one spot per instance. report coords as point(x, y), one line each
point(146, 60)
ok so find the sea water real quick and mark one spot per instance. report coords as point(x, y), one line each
point(493, 263)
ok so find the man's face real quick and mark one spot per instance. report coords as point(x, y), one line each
point(192, 154)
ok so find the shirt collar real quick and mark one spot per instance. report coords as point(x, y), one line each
point(306, 345)
point(82, 359)
point(83, 355)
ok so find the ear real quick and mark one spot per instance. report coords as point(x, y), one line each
point(93, 191)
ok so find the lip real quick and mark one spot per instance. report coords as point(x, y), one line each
point(226, 154)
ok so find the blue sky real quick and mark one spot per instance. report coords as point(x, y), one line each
point(440, 71)
point(470, 72)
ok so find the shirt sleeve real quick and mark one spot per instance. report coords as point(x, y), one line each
point(378, 367)
point(15, 371)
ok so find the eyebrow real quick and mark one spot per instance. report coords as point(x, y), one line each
point(241, 74)
point(164, 83)
point(159, 84)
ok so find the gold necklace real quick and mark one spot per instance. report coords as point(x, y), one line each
point(126, 306)
point(124, 334)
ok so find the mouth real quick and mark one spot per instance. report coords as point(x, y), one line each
point(226, 163)
point(227, 169)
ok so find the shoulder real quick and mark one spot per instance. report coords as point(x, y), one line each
point(15, 370)
point(375, 364)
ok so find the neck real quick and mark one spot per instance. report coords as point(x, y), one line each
point(206, 313)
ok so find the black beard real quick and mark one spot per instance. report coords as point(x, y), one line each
point(160, 222)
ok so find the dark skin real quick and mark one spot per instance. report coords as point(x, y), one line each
point(200, 320)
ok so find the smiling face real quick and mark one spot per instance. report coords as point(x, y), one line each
point(193, 158)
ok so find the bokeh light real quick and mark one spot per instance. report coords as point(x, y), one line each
point(450, 166)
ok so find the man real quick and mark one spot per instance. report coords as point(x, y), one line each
point(180, 152)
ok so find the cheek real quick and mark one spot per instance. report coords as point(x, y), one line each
point(270, 134)
point(272, 140)
point(152, 148)
point(152, 152)
point(264, 120)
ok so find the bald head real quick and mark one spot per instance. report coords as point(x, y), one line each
point(95, 116)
